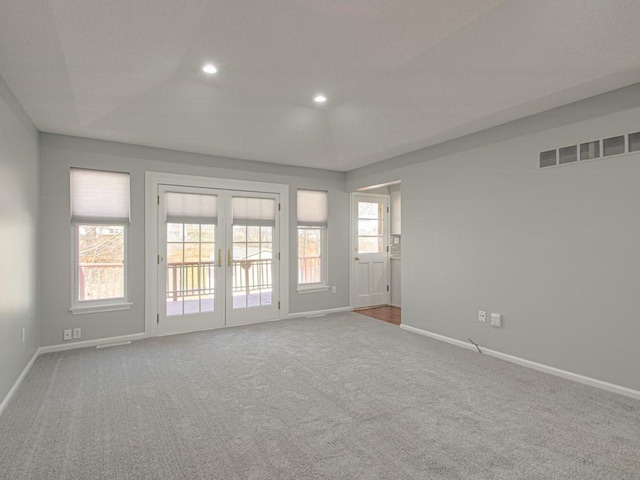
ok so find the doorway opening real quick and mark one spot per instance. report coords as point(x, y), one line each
point(376, 249)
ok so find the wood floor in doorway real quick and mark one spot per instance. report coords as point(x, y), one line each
point(385, 313)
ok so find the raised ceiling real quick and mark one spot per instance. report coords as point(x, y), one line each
point(398, 74)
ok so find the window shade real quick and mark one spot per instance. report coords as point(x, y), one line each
point(254, 211)
point(99, 197)
point(313, 210)
point(191, 208)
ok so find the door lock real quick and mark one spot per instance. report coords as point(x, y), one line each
point(357, 258)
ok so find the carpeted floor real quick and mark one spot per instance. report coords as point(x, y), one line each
point(342, 396)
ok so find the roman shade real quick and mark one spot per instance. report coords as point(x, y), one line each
point(254, 211)
point(191, 208)
point(313, 208)
point(99, 197)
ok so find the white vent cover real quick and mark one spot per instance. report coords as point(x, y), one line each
point(591, 150)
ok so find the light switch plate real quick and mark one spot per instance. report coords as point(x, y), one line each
point(496, 320)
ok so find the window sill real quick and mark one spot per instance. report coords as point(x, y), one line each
point(110, 307)
point(313, 289)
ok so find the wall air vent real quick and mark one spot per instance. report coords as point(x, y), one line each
point(590, 150)
point(568, 154)
point(613, 146)
point(634, 142)
point(548, 159)
point(608, 147)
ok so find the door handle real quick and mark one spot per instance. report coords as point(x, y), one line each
point(357, 258)
point(219, 257)
point(228, 257)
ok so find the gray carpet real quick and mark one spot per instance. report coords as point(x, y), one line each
point(343, 396)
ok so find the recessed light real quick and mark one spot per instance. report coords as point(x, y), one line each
point(320, 98)
point(209, 68)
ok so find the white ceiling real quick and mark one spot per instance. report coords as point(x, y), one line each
point(399, 74)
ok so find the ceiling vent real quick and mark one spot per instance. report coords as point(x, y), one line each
point(591, 150)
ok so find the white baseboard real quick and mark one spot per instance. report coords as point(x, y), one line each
point(593, 382)
point(90, 343)
point(18, 382)
point(320, 312)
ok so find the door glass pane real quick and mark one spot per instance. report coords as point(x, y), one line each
point(370, 227)
point(252, 266)
point(191, 256)
point(370, 245)
point(368, 209)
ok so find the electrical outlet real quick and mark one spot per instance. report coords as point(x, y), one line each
point(24, 334)
point(334, 289)
point(496, 320)
point(482, 316)
point(67, 335)
point(77, 333)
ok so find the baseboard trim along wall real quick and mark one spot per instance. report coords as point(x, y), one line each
point(90, 343)
point(611, 387)
point(318, 313)
point(18, 382)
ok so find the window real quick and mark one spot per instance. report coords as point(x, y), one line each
point(312, 240)
point(99, 220)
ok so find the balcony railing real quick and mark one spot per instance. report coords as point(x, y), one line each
point(106, 280)
point(100, 280)
point(197, 278)
point(309, 270)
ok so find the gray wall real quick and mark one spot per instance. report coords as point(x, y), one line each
point(18, 239)
point(556, 251)
point(59, 153)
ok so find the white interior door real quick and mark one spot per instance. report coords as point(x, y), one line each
point(217, 252)
point(370, 241)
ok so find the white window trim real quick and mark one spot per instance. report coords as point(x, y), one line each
point(313, 288)
point(323, 286)
point(99, 308)
point(103, 305)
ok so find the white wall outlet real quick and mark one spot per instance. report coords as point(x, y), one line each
point(67, 335)
point(334, 289)
point(496, 320)
point(77, 333)
point(24, 334)
point(482, 316)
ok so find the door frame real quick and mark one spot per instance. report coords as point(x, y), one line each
point(353, 226)
point(152, 181)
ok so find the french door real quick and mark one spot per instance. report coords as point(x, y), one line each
point(370, 242)
point(218, 258)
